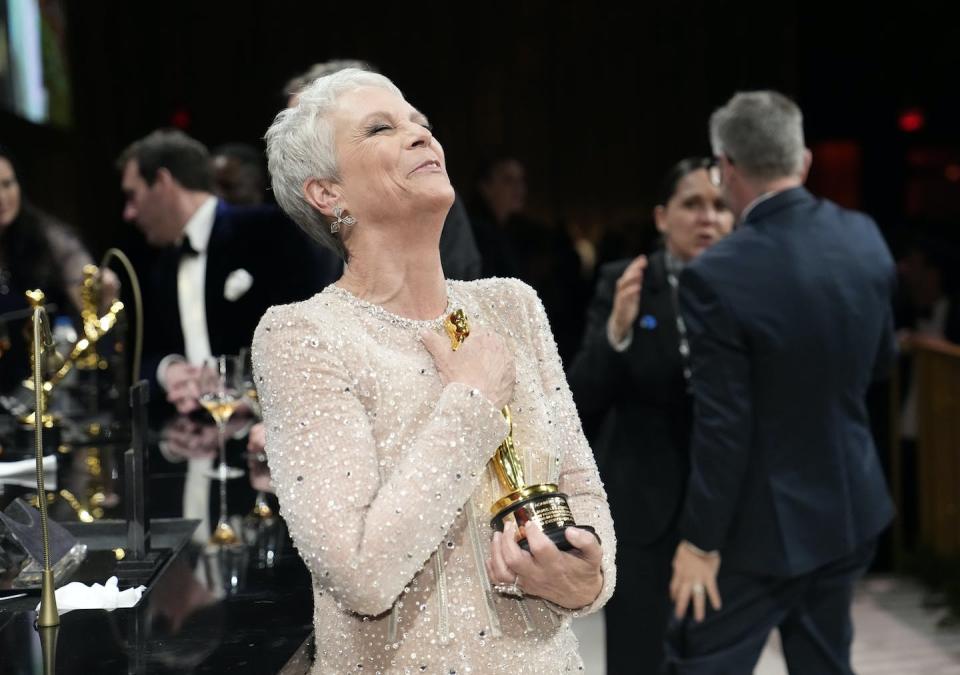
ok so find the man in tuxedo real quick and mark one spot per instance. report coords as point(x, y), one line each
point(789, 321)
point(217, 268)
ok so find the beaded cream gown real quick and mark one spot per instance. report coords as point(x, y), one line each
point(382, 478)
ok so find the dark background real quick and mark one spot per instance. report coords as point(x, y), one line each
point(597, 100)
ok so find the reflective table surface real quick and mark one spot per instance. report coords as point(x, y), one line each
point(239, 608)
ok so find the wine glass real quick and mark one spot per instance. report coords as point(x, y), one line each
point(220, 395)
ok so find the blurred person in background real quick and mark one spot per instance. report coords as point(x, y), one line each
point(512, 244)
point(789, 321)
point(501, 197)
point(631, 369)
point(928, 315)
point(239, 174)
point(217, 267)
point(37, 251)
point(928, 303)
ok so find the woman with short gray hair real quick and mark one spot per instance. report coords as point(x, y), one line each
point(380, 428)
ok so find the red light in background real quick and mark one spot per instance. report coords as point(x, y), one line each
point(837, 171)
point(952, 173)
point(912, 120)
point(180, 119)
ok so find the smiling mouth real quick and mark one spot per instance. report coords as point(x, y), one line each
point(429, 165)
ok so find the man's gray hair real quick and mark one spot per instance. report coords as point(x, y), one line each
point(301, 146)
point(761, 132)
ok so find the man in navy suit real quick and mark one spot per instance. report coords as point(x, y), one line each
point(789, 321)
point(217, 268)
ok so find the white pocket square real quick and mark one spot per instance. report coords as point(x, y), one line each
point(238, 282)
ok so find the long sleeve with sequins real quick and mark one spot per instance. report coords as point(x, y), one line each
point(364, 524)
point(579, 478)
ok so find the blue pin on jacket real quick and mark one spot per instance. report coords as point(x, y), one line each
point(648, 322)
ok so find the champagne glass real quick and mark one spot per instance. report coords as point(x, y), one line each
point(220, 395)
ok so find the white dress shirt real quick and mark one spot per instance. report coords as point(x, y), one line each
point(191, 288)
point(191, 300)
point(191, 283)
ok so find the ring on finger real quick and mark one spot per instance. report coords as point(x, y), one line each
point(698, 589)
point(513, 589)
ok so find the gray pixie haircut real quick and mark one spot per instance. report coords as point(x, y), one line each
point(761, 132)
point(301, 146)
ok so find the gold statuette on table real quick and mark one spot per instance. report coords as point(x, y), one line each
point(83, 354)
point(542, 503)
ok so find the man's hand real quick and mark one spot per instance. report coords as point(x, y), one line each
point(694, 577)
point(185, 438)
point(182, 383)
point(257, 440)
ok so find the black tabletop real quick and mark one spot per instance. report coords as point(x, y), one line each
point(238, 609)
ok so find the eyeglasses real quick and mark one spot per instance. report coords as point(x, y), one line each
point(714, 171)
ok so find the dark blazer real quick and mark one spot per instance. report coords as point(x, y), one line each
point(789, 321)
point(284, 264)
point(642, 444)
point(458, 249)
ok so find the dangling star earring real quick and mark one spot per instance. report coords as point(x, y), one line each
point(340, 220)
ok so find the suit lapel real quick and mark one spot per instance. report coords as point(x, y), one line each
point(219, 257)
point(657, 301)
point(655, 279)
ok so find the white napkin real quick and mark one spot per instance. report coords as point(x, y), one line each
point(80, 596)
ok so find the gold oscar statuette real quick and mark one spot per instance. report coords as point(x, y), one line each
point(82, 355)
point(542, 503)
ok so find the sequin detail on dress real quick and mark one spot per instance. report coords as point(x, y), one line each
point(389, 459)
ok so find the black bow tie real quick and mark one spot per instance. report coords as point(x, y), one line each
point(186, 249)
